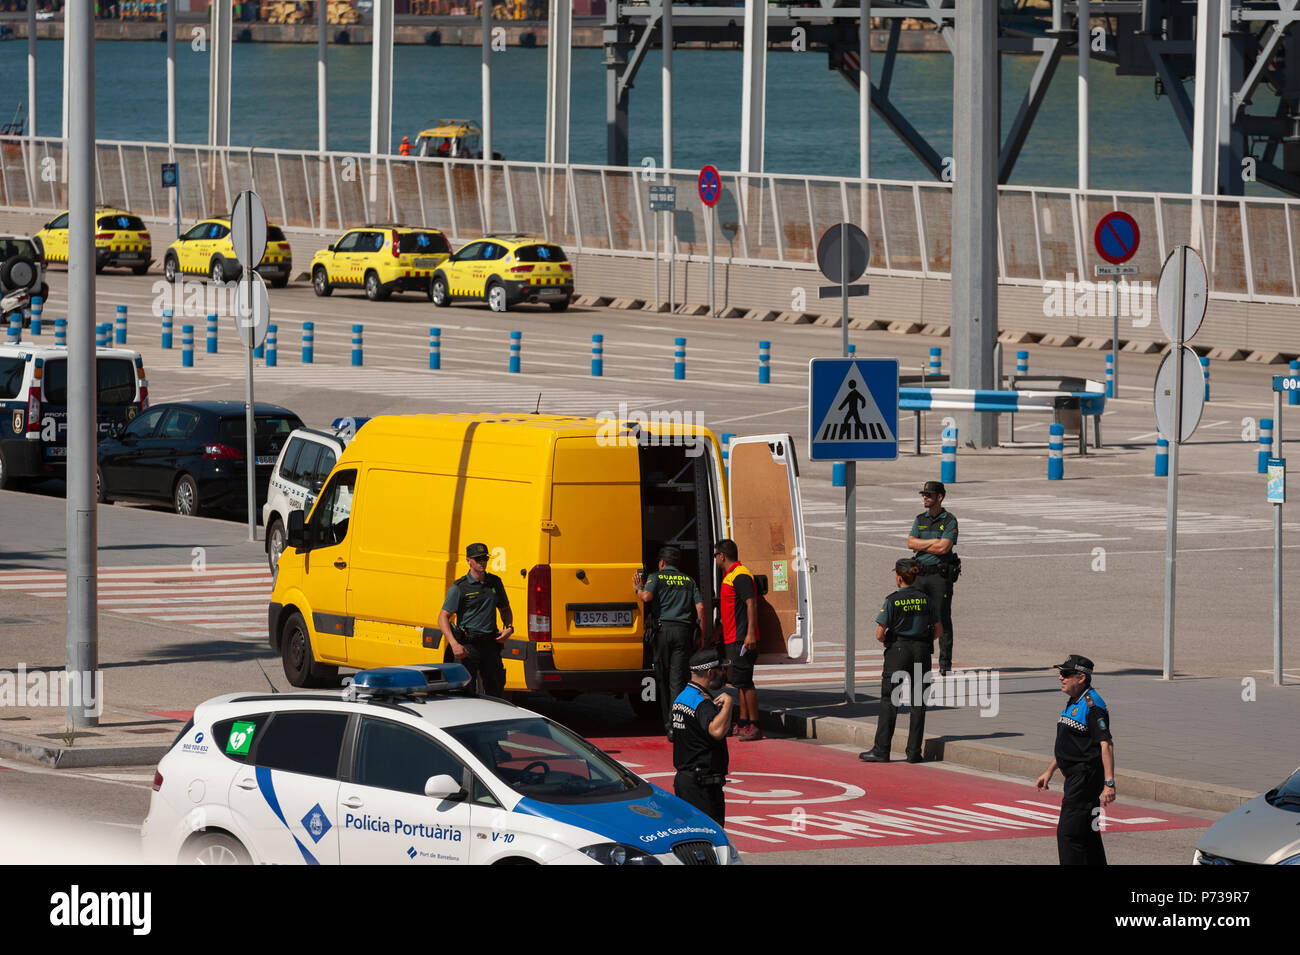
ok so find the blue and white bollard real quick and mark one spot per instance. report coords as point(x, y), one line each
point(167, 328)
point(726, 450)
point(357, 357)
point(37, 307)
point(597, 356)
point(435, 349)
point(103, 332)
point(212, 334)
point(187, 346)
point(936, 360)
point(1292, 396)
point(764, 358)
point(679, 360)
point(271, 357)
point(852, 349)
point(14, 333)
point(1110, 376)
point(259, 351)
point(61, 332)
point(838, 478)
point(119, 336)
point(948, 461)
point(1265, 443)
point(1162, 457)
point(1022, 363)
point(516, 347)
point(1056, 452)
point(1205, 370)
point(308, 341)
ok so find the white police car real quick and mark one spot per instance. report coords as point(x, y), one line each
point(402, 770)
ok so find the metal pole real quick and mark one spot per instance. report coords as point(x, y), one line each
point(381, 92)
point(250, 450)
point(1114, 335)
point(850, 499)
point(322, 102)
point(1085, 52)
point(1175, 439)
point(175, 197)
point(33, 165)
point(1277, 549)
point(654, 217)
point(487, 114)
point(82, 629)
point(670, 235)
point(711, 213)
point(864, 91)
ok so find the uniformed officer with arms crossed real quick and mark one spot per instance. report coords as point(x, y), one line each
point(700, 726)
point(932, 539)
point(1085, 755)
point(676, 602)
point(475, 600)
point(907, 628)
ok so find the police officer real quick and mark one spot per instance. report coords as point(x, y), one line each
point(907, 628)
point(932, 539)
point(678, 606)
point(475, 642)
point(700, 726)
point(1085, 755)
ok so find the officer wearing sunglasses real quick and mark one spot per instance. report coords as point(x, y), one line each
point(931, 540)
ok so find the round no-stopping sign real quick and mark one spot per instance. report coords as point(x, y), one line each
point(1116, 237)
point(710, 185)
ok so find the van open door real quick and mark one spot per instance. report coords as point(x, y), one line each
point(766, 518)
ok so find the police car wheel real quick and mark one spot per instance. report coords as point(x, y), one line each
point(274, 542)
point(100, 496)
point(320, 282)
point(215, 848)
point(438, 292)
point(496, 297)
point(170, 268)
point(7, 481)
point(300, 666)
point(185, 496)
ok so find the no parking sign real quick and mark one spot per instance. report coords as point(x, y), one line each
point(1116, 237)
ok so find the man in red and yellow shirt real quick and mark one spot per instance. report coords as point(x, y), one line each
point(739, 611)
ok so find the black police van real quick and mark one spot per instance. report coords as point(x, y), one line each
point(34, 406)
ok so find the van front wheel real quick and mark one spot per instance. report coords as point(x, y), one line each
point(300, 666)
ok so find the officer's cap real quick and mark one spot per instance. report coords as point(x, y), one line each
point(905, 565)
point(705, 660)
point(476, 550)
point(1076, 662)
point(670, 553)
point(933, 487)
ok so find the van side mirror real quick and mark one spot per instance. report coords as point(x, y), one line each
point(330, 249)
point(443, 787)
point(295, 532)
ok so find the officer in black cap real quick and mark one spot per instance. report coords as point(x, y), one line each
point(474, 641)
point(701, 722)
point(673, 600)
point(907, 628)
point(932, 539)
point(1085, 755)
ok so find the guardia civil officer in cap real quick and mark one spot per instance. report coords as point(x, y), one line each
point(701, 722)
point(907, 628)
point(475, 600)
point(673, 600)
point(1085, 755)
point(931, 540)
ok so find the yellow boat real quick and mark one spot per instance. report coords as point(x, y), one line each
point(452, 139)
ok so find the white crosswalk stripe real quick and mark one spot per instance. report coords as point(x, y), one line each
point(228, 597)
point(1115, 514)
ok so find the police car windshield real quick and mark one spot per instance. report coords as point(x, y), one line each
point(1286, 796)
point(541, 760)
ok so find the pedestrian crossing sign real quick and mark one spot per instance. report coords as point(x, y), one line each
point(853, 409)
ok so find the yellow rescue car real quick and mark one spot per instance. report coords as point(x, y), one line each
point(207, 249)
point(505, 270)
point(121, 240)
point(382, 259)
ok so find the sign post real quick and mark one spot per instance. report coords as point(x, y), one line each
point(1277, 497)
point(171, 180)
point(662, 199)
point(1180, 300)
point(248, 235)
point(1116, 239)
point(710, 188)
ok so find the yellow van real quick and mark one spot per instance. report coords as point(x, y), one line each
point(570, 508)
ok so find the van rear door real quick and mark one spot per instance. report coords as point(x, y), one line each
point(766, 518)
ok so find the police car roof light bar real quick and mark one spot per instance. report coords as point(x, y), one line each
point(409, 680)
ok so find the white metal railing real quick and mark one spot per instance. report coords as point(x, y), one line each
point(1044, 234)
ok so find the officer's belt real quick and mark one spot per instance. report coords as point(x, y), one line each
point(705, 778)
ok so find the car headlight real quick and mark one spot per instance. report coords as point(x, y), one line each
point(615, 853)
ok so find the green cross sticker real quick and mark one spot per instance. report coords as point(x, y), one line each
point(241, 738)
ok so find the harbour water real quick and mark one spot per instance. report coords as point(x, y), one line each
point(811, 118)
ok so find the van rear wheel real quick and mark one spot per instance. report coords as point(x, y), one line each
point(300, 666)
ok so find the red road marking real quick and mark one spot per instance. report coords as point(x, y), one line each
point(784, 794)
point(181, 716)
